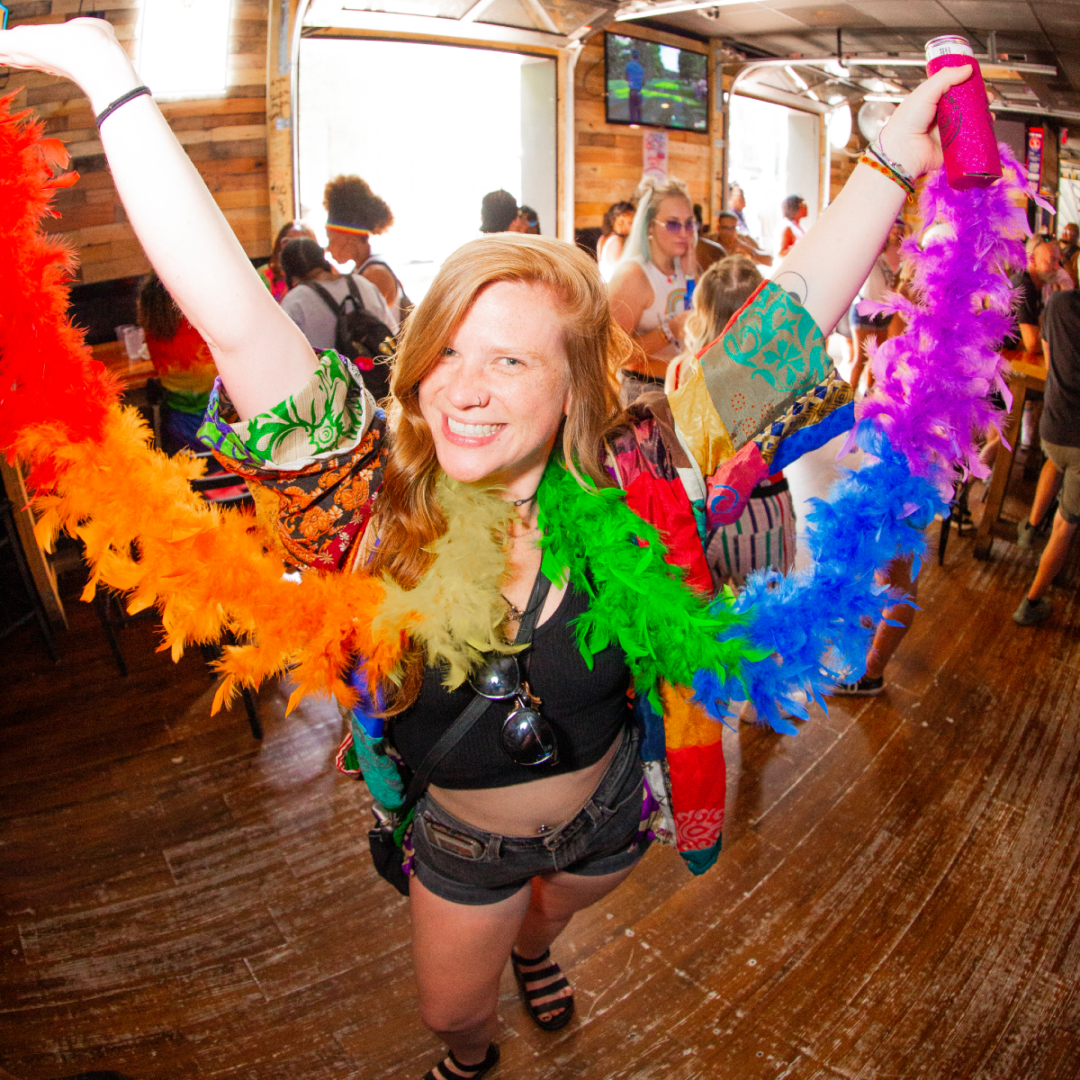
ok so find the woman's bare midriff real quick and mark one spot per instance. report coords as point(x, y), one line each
point(547, 802)
point(530, 809)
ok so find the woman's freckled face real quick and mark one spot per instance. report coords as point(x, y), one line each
point(495, 400)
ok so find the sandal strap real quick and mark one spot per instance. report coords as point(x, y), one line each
point(467, 1072)
point(546, 991)
point(519, 959)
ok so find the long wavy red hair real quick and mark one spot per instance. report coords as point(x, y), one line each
point(407, 513)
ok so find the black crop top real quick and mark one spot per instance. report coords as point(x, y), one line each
point(586, 710)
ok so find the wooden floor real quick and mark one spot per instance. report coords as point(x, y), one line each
point(899, 894)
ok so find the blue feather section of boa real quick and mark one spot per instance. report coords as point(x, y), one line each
point(816, 624)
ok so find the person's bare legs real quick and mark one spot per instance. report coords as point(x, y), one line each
point(859, 337)
point(1053, 556)
point(555, 899)
point(459, 952)
point(887, 638)
point(1045, 492)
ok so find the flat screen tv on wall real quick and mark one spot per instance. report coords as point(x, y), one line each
point(655, 85)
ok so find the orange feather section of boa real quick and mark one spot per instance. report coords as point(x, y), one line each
point(147, 534)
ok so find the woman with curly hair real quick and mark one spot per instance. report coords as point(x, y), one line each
point(355, 213)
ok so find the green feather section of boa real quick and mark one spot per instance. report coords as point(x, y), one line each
point(637, 600)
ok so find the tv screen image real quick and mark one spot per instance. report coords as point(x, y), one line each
point(655, 85)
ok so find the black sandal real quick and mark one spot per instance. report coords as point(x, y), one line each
point(558, 1011)
point(457, 1071)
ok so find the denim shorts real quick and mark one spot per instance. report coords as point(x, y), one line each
point(467, 865)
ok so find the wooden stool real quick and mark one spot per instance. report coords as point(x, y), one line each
point(1027, 381)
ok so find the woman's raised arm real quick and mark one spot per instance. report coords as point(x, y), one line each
point(261, 354)
point(825, 269)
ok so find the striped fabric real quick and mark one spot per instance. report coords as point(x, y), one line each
point(763, 537)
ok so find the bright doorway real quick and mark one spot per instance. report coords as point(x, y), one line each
point(774, 152)
point(432, 129)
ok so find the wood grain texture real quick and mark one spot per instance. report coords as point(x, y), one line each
point(226, 131)
point(899, 894)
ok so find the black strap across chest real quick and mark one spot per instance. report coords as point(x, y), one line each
point(478, 706)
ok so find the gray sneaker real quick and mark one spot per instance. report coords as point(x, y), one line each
point(1025, 534)
point(1032, 612)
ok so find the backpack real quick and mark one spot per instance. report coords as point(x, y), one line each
point(359, 336)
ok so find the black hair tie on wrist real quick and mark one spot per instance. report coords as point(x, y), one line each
point(131, 95)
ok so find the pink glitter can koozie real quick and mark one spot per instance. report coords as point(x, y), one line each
point(963, 115)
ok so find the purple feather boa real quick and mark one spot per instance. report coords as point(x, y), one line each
point(931, 384)
point(930, 398)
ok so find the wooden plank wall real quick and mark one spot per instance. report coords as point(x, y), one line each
point(225, 137)
point(608, 157)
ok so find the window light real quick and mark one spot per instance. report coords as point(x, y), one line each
point(183, 47)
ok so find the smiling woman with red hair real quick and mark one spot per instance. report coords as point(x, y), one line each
point(519, 528)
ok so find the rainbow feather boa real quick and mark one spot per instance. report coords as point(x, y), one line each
point(208, 571)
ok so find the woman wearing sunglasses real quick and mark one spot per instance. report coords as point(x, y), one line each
point(648, 289)
point(503, 434)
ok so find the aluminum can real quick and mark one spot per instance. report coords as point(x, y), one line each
point(963, 116)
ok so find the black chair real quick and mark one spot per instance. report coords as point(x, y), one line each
point(959, 514)
point(9, 540)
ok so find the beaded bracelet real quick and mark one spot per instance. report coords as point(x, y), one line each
point(109, 109)
point(877, 148)
point(895, 177)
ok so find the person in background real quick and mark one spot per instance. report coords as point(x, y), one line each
point(1060, 432)
point(303, 261)
point(354, 214)
point(737, 204)
point(183, 365)
point(764, 536)
point(790, 231)
point(635, 80)
point(618, 219)
point(272, 273)
point(895, 622)
point(498, 212)
point(882, 280)
point(735, 243)
point(1070, 248)
point(527, 221)
point(1043, 263)
point(648, 288)
point(1034, 285)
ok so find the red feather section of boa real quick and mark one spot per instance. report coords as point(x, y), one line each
point(206, 569)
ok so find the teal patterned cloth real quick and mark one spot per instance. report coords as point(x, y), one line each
point(330, 413)
point(379, 771)
point(772, 352)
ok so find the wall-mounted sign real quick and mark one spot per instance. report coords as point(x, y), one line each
point(1034, 155)
point(654, 149)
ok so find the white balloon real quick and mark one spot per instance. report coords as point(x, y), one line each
point(872, 117)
